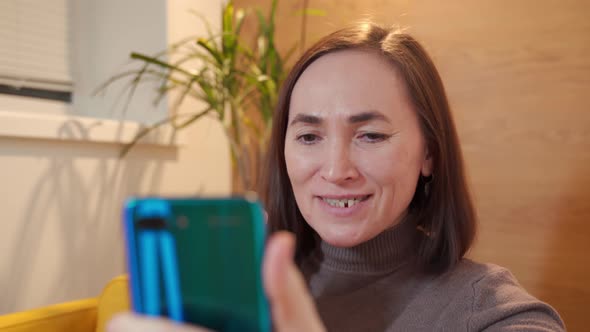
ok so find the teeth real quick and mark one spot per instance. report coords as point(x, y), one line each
point(343, 203)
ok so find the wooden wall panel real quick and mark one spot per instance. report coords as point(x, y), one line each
point(518, 77)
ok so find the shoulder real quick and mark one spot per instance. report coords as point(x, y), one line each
point(496, 301)
point(468, 273)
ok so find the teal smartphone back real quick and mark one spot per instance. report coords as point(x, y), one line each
point(198, 261)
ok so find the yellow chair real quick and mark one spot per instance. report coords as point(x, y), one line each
point(88, 315)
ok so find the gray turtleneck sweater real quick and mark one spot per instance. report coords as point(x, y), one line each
point(376, 286)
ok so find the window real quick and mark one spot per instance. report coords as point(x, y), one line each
point(64, 49)
point(34, 49)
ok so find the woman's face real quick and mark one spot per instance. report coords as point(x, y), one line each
point(354, 149)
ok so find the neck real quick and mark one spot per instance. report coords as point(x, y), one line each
point(386, 252)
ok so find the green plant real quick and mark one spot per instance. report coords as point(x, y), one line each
point(236, 83)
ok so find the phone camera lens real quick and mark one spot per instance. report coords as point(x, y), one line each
point(182, 222)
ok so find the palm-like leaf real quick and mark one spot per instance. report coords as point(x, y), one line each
point(236, 82)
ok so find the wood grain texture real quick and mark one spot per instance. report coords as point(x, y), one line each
point(518, 77)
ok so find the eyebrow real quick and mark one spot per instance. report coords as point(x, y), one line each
point(306, 118)
point(357, 118)
point(368, 116)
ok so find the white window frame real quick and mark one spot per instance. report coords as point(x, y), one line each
point(89, 118)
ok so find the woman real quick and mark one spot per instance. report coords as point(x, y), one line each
point(365, 170)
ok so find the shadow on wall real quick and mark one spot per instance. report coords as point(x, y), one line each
point(67, 244)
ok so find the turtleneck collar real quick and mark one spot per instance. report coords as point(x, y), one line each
point(384, 253)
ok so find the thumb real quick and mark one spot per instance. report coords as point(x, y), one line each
point(292, 307)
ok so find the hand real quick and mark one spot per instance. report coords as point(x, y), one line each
point(291, 304)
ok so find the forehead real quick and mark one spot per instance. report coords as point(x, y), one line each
point(348, 81)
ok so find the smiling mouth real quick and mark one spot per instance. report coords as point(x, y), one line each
point(345, 202)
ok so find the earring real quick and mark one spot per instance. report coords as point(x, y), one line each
point(427, 181)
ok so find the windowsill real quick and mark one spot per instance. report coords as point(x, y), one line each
point(81, 129)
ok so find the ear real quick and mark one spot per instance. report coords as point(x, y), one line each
point(427, 163)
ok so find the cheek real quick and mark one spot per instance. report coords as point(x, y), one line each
point(384, 167)
point(394, 171)
point(299, 165)
point(300, 169)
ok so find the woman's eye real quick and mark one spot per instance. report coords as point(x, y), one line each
point(373, 137)
point(308, 138)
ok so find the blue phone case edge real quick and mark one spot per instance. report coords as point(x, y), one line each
point(131, 254)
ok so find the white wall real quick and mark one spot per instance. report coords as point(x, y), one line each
point(61, 200)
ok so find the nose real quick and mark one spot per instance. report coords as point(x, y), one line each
point(338, 166)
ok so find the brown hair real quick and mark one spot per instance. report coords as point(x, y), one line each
point(446, 213)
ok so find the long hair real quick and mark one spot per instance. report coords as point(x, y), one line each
point(445, 214)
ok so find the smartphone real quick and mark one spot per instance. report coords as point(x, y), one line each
point(198, 260)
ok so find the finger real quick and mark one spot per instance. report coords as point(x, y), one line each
point(292, 306)
point(278, 253)
point(128, 322)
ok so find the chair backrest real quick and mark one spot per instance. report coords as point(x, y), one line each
point(77, 315)
point(114, 299)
